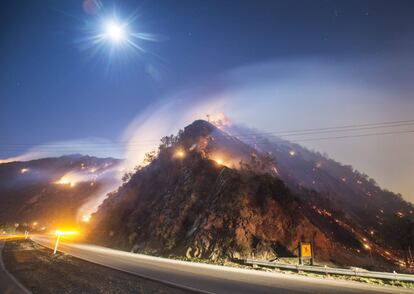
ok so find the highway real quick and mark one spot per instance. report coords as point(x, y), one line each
point(8, 283)
point(205, 278)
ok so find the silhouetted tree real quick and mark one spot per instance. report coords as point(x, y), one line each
point(150, 156)
point(405, 237)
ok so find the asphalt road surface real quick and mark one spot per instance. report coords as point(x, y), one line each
point(206, 278)
point(8, 284)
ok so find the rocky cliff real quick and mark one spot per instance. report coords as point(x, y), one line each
point(208, 194)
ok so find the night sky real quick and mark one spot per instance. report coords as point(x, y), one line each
point(54, 86)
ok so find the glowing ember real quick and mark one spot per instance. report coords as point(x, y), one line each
point(86, 218)
point(24, 170)
point(179, 153)
point(65, 181)
point(400, 214)
point(366, 246)
point(70, 179)
point(219, 161)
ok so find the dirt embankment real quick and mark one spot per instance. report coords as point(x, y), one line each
point(36, 268)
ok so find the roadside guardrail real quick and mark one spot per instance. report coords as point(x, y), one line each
point(331, 270)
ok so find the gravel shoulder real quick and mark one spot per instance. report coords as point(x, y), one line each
point(41, 272)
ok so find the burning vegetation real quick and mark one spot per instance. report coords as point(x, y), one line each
point(237, 199)
point(50, 192)
point(206, 193)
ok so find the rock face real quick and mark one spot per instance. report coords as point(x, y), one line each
point(222, 198)
point(377, 215)
point(30, 192)
point(199, 208)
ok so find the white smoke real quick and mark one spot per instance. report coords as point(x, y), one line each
point(285, 95)
point(297, 94)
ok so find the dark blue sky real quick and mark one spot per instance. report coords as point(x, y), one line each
point(52, 89)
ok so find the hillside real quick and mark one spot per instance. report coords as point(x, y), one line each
point(377, 213)
point(48, 192)
point(208, 194)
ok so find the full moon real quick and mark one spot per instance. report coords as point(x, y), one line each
point(114, 31)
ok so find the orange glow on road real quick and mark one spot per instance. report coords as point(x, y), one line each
point(66, 233)
point(12, 237)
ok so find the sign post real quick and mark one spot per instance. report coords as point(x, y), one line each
point(57, 243)
point(305, 252)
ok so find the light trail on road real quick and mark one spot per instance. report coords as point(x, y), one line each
point(206, 278)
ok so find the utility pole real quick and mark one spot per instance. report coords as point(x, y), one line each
point(312, 252)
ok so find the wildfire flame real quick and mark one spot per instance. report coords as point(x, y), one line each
point(63, 181)
point(86, 218)
point(219, 161)
point(179, 153)
point(70, 179)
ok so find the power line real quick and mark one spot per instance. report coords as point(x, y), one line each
point(272, 141)
point(251, 136)
point(352, 136)
point(326, 130)
point(284, 133)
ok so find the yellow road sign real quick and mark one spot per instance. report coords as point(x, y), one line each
point(306, 250)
